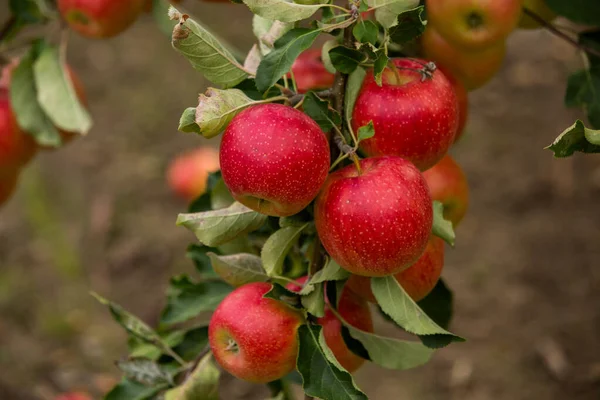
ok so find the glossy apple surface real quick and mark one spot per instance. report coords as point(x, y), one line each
point(418, 280)
point(310, 73)
point(414, 118)
point(188, 173)
point(448, 184)
point(252, 337)
point(376, 223)
point(100, 18)
point(16, 147)
point(274, 159)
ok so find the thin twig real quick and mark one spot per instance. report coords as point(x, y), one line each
point(557, 32)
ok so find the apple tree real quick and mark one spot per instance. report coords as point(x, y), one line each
point(335, 194)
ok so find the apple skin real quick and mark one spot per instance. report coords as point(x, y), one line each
point(377, 223)
point(264, 331)
point(100, 19)
point(310, 73)
point(540, 8)
point(463, 101)
point(16, 147)
point(448, 184)
point(355, 311)
point(8, 184)
point(474, 24)
point(274, 159)
point(73, 396)
point(188, 172)
point(413, 119)
point(473, 68)
point(418, 280)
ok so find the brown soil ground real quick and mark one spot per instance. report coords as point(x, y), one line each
point(97, 215)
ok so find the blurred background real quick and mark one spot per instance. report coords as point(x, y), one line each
point(97, 215)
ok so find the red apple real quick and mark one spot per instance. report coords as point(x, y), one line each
point(274, 159)
point(188, 173)
point(252, 337)
point(377, 222)
point(418, 280)
point(414, 117)
point(355, 311)
point(16, 147)
point(540, 8)
point(473, 68)
point(310, 73)
point(73, 396)
point(8, 183)
point(463, 101)
point(448, 184)
point(100, 18)
point(474, 24)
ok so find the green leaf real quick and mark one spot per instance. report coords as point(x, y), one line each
point(396, 303)
point(591, 39)
point(187, 299)
point(268, 32)
point(410, 26)
point(327, 46)
point(187, 122)
point(277, 246)
point(27, 11)
point(284, 295)
point(145, 371)
point(216, 108)
point(239, 269)
point(583, 90)
point(380, 63)
point(441, 226)
point(194, 341)
point(320, 110)
point(585, 12)
point(366, 31)
point(23, 98)
point(205, 201)
point(216, 227)
point(331, 272)
point(282, 10)
point(142, 349)
point(314, 302)
point(388, 10)
point(220, 197)
point(198, 254)
point(203, 383)
point(128, 390)
point(56, 94)
point(133, 325)
point(438, 304)
point(345, 60)
point(353, 86)
point(279, 61)
point(206, 53)
point(321, 377)
point(366, 132)
point(576, 138)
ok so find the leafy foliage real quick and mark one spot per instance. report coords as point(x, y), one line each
point(583, 90)
point(238, 269)
point(410, 26)
point(321, 111)
point(582, 11)
point(277, 246)
point(441, 226)
point(576, 138)
point(201, 384)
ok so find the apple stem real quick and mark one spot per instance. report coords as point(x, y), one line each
point(557, 32)
point(356, 162)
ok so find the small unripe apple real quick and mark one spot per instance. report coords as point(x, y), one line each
point(418, 280)
point(100, 18)
point(474, 24)
point(540, 8)
point(355, 311)
point(448, 184)
point(16, 147)
point(274, 159)
point(463, 101)
point(73, 396)
point(375, 222)
point(310, 73)
point(8, 184)
point(188, 173)
point(472, 68)
point(415, 116)
point(252, 337)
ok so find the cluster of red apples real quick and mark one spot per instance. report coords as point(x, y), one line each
point(373, 217)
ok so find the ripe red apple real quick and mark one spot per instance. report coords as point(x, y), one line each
point(252, 337)
point(418, 280)
point(355, 311)
point(8, 183)
point(16, 147)
point(100, 18)
point(310, 73)
point(463, 101)
point(473, 68)
point(274, 159)
point(448, 184)
point(414, 118)
point(188, 173)
point(74, 396)
point(540, 8)
point(377, 222)
point(474, 24)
